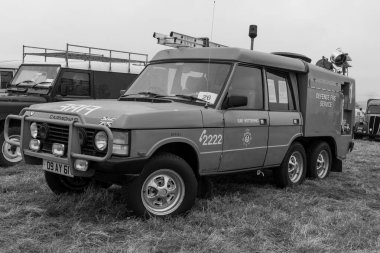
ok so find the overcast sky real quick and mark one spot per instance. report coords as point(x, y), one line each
point(313, 28)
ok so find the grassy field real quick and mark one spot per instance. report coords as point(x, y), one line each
point(245, 213)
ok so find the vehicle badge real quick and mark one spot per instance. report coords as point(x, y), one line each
point(106, 121)
point(247, 137)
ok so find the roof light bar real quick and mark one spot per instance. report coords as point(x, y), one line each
point(178, 40)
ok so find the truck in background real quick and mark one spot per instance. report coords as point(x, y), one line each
point(7, 71)
point(77, 73)
point(372, 118)
point(193, 113)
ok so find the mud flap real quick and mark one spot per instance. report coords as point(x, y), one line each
point(337, 165)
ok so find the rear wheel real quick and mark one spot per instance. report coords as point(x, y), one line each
point(10, 155)
point(292, 170)
point(320, 160)
point(167, 186)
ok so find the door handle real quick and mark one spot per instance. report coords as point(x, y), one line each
point(263, 121)
point(296, 121)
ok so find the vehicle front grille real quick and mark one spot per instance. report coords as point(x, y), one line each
point(56, 134)
point(374, 123)
point(60, 134)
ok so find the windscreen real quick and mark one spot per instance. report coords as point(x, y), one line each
point(374, 109)
point(35, 76)
point(197, 79)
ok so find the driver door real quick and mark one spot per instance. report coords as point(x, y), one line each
point(246, 127)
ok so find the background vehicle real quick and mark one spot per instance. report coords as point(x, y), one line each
point(373, 118)
point(7, 71)
point(74, 75)
point(192, 113)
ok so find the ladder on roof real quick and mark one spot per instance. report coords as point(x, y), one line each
point(131, 58)
point(178, 40)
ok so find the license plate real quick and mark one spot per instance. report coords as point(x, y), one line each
point(58, 168)
point(360, 128)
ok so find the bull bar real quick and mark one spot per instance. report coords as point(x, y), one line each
point(73, 146)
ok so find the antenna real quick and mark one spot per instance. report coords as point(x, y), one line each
point(212, 23)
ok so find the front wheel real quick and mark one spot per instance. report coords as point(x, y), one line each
point(167, 186)
point(292, 170)
point(320, 160)
point(62, 184)
point(10, 155)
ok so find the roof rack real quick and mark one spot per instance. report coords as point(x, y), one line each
point(90, 56)
point(178, 40)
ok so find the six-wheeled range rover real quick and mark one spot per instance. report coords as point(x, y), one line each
point(192, 113)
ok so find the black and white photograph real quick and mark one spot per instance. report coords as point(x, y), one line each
point(189, 126)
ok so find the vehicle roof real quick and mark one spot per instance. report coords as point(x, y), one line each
point(95, 66)
point(233, 54)
point(373, 102)
point(9, 64)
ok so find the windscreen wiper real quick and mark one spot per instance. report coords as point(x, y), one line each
point(40, 83)
point(147, 93)
point(25, 81)
point(192, 98)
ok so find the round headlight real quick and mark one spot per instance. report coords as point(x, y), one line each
point(101, 140)
point(33, 130)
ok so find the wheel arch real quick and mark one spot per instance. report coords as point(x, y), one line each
point(183, 149)
point(309, 142)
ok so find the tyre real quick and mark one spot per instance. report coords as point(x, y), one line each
point(10, 155)
point(320, 160)
point(292, 170)
point(62, 184)
point(167, 186)
point(205, 188)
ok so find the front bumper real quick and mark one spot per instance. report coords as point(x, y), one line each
point(73, 145)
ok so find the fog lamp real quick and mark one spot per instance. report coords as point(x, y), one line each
point(81, 165)
point(35, 145)
point(33, 130)
point(58, 149)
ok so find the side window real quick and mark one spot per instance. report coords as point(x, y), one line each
point(279, 92)
point(5, 78)
point(247, 81)
point(75, 84)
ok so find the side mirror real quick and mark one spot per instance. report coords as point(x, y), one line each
point(122, 92)
point(236, 101)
